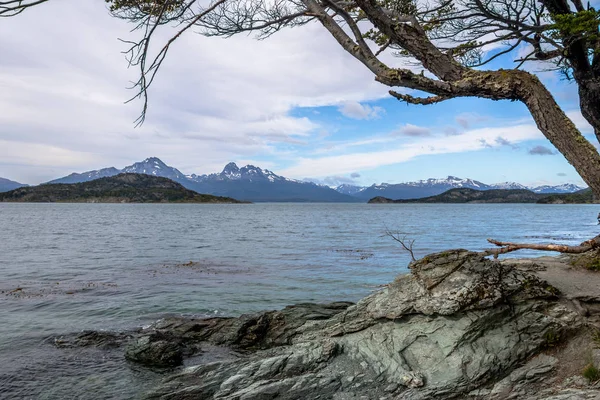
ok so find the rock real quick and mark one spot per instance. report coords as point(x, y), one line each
point(455, 324)
point(250, 331)
point(532, 370)
point(156, 350)
point(99, 339)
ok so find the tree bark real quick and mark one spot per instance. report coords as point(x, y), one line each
point(561, 131)
point(589, 101)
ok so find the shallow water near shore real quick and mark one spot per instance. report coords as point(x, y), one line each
point(71, 267)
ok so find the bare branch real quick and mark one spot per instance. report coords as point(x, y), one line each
point(407, 244)
point(10, 8)
point(507, 247)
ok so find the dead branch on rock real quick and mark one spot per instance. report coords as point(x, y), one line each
point(507, 247)
point(407, 244)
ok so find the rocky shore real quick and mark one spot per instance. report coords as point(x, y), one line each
point(458, 326)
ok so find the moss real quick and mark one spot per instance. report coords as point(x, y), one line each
point(596, 338)
point(551, 338)
point(552, 290)
point(589, 260)
point(591, 372)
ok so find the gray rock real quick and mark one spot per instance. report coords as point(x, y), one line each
point(455, 324)
point(99, 339)
point(155, 350)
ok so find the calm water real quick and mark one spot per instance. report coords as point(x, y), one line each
point(69, 267)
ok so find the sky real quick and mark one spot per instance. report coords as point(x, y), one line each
point(294, 103)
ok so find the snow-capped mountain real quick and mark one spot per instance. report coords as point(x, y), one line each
point(154, 166)
point(564, 188)
point(508, 185)
point(247, 183)
point(418, 189)
point(350, 189)
point(256, 184)
point(88, 176)
point(232, 172)
point(150, 166)
point(433, 187)
point(6, 185)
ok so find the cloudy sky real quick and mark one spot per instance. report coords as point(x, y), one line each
point(295, 103)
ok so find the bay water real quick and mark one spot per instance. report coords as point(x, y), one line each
point(65, 268)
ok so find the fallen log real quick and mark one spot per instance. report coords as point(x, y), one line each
point(507, 247)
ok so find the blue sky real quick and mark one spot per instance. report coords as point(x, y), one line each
point(295, 103)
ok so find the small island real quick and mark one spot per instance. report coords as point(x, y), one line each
point(466, 195)
point(122, 188)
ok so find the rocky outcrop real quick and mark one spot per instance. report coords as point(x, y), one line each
point(459, 325)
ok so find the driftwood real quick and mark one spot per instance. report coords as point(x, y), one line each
point(507, 247)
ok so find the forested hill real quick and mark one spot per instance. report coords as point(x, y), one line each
point(122, 188)
point(466, 195)
point(584, 196)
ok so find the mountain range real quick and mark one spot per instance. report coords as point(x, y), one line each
point(433, 187)
point(251, 183)
point(248, 183)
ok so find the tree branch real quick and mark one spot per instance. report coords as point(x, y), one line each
point(418, 100)
point(10, 8)
point(507, 247)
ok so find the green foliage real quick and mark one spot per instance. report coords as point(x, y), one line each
point(581, 24)
point(594, 265)
point(591, 372)
point(596, 338)
point(150, 7)
point(589, 260)
point(581, 197)
point(551, 338)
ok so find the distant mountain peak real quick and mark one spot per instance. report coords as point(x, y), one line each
point(231, 168)
point(7, 185)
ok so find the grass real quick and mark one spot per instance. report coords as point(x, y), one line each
point(591, 372)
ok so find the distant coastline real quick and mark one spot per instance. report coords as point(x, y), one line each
point(520, 196)
point(122, 188)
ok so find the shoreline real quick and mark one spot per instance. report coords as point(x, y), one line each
point(332, 350)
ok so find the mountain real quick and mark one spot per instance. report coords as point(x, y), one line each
point(7, 185)
point(433, 187)
point(255, 184)
point(154, 166)
point(122, 188)
point(150, 166)
point(508, 185)
point(248, 183)
point(564, 188)
point(87, 176)
point(419, 189)
point(467, 195)
point(351, 190)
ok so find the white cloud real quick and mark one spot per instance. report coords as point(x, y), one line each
point(414, 131)
point(63, 85)
point(355, 110)
point(467, 119)
point(473, 140)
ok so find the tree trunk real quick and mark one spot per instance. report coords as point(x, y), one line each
point(589, 101)
point(561, 131)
